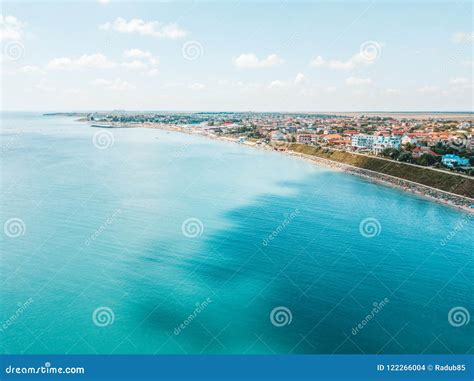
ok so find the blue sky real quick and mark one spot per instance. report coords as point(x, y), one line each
point(258, 56)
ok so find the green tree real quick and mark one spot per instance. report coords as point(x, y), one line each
point(405, 157)
point(391, 153)
point(427, 159)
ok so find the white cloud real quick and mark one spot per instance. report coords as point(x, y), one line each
point(459, 81)
point(467, 63)
point(43, 86)
point(196, 86)
point(428, 89)
point(135, 65)
point(86, 61)
point(116, 84)
point(368, 54)
point(300, 79)
point(318, 61)
point(392, 91)
point(30, 69)
point(172, 85)
point(137, 53)
point(10, 28)
point(150, 28)
point(354, 81)
point(103, 1)
point(277, 84)
point(72, 91)
point(463, 38)
point(153, 72)
point(251, 61)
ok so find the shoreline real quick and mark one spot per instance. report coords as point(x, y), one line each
point(442, 197)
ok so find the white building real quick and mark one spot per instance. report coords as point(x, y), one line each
point(363, 141)
point(375, 143)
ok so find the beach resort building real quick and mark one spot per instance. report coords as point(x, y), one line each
point(363, 141)
point(452, 161)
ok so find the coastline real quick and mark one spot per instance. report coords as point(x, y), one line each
point(433, 194)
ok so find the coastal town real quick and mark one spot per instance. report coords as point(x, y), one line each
point(444, 142)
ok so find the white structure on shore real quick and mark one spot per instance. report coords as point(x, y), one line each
point(375, 143)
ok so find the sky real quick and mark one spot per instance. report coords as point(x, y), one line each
point(237, 56)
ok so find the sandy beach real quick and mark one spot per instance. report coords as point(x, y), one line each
point(453, 200)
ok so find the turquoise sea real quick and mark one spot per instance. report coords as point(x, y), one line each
point(169, 243)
